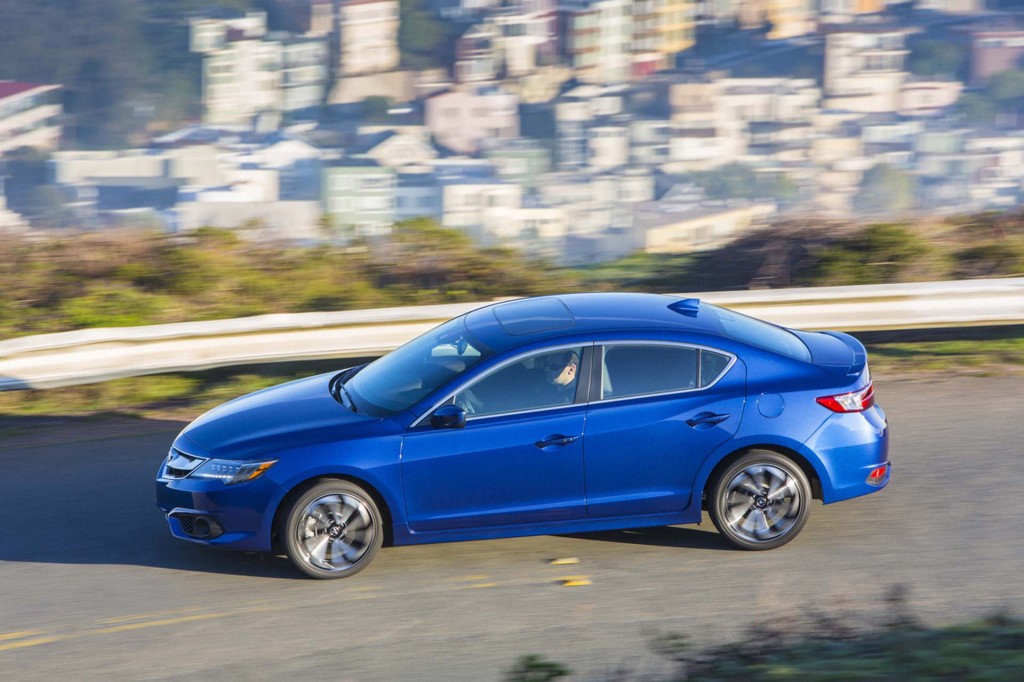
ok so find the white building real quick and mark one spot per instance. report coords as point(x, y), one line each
point(29, 116)
point(367, 36)
point(607, 147)
point(864, 67)
point(952, 6)
point(528, 32)
point(599, 39)
point(461, 119)
point(242, 72)
point(680, 225)
point(305, 77)
point(473, 206)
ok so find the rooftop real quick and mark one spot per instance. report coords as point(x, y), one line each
point(507, 324)
point(11, 88)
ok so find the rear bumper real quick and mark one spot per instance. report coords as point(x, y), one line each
point(850, 447)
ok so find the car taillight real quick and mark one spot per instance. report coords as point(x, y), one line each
point(858, 401)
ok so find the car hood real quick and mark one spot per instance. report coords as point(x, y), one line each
point(287, 416)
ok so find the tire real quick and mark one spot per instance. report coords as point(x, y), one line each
point(333, 530)
point(760, 501)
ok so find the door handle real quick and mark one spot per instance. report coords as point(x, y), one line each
point(555, 440)
point(706, 420)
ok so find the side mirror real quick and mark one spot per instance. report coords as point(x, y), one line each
point(448, 417)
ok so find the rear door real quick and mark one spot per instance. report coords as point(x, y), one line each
point(657, 410)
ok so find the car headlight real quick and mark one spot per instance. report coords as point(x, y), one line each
point(230, 472)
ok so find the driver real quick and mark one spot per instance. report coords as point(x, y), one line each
point(560, 371)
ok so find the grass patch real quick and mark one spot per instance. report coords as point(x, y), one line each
point(185, 394)
point(1002, 350)
point(811, 645)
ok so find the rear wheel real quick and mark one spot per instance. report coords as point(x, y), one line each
point(761, 501)
point(333, 530)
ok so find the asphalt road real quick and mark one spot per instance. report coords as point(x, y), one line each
point(93, 587)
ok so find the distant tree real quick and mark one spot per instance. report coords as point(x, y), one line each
point(937, 58)
point(885, 190)
point(1007, 89)
point(424, 41)
point(376, 107)
point(116, 59)
point(976, 108)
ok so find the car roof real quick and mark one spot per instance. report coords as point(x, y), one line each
point(513, 323)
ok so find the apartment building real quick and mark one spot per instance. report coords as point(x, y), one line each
point(305, 74)
point(242, 72)
point(477, 55)
point(461, 119)
point(846, 11)
point(864, 67)
point(784, 18)
point(472, 205)
point(359, 197)
point(30, 116)
point(597, 39)
point(661, 29)
point(367, 36)
point(993, 51)
point(528, 34)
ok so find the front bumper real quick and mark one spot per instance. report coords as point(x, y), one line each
point(237, 515)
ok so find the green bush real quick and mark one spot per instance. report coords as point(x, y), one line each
point(876, 255)
point(991, 259)
point(112, 305)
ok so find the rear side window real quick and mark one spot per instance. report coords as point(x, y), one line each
point(642, 369)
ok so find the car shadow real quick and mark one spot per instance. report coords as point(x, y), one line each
point(660, 536)
point(80, 490)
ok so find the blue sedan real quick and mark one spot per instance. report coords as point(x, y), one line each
point(559, 414)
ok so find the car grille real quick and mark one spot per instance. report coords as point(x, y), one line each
point(188, 523)
point(199, 526)
point(180, 464)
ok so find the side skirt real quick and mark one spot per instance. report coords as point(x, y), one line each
point(403, 536)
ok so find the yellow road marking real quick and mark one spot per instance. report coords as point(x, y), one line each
point(30, 642)
point(13, 641)
point(469, 587)
point(19, 635)
point(158, 623)
point(575, 581)
point(564, 562)
point(144, 616)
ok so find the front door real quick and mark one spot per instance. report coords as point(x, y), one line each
point(519, 458)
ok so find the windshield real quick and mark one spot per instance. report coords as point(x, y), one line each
point(400, 378)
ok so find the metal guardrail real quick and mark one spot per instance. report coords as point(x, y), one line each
point(93, 355)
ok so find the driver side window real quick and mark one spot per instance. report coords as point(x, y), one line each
point(538, 381)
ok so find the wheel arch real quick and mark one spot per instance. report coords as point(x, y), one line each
point(711, 473)
point(302, 486)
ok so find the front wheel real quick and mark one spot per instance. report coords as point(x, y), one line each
point(333, 530)
point(761, 501)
